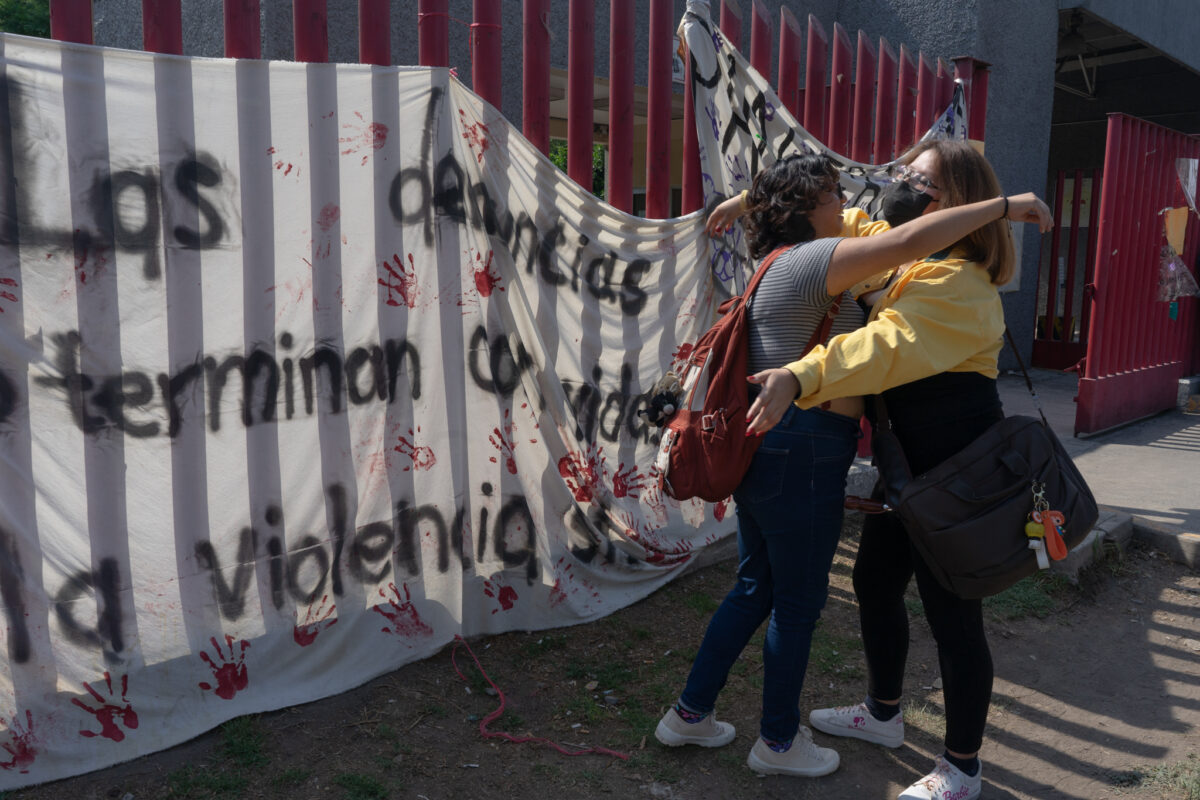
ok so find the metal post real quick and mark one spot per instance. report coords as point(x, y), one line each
point(486, 74)
point(581, 32)
point(535, 86)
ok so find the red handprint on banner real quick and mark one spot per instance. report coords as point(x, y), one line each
point(85, 251)
point(502, 593)
point(402, 280)
point(502, 439)
point(485, 279)
point(681, 355)
point(567, 585)
point(402, 617)
point(109, 711)
point(7, 295)
point(363, 137)
point(653, 498)
point(231, 674)
point(21, 746)
point(422, 456)
point(583, 473)
point(316, 619)
point(627, 482)
point(476, 135)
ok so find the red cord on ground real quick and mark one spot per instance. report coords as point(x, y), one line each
point(490, 718)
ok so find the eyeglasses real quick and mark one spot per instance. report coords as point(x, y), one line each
point(914, 179)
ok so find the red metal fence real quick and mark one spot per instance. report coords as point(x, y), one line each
point(870, 116)
point(1137, 349)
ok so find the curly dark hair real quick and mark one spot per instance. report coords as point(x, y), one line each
point(780, 199)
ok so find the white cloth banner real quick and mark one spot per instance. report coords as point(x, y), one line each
point(304, 370)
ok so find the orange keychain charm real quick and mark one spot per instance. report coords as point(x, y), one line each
point(1055, 545)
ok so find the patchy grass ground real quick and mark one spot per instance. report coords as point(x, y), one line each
point(1065, 721)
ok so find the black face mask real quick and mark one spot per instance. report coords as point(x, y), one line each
point(902, 203)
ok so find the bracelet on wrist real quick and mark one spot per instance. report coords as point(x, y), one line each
point(1005, 214)
point(745, 194)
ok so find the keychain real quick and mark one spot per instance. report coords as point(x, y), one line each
point(1055, 545)
point(1035, 528)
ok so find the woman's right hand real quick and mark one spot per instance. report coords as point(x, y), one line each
point(724, 215)
point(1028, 207)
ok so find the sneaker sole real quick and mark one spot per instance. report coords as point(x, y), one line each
point(762, 768)
point(672, 739)
point(855, 733)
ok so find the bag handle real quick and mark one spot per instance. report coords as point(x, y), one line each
point(1029, 383)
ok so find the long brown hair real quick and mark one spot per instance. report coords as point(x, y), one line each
point(967, 177)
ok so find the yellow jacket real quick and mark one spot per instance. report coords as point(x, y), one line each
point(855, 222)
point(941, 315)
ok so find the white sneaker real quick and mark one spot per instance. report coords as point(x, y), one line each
point(673, 731)
point(857, 722)
point(946, 782)
point(803, 758)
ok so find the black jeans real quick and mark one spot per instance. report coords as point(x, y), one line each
point(934, 418)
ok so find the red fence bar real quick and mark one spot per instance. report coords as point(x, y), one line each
point(374, 32)
point(1149, 239)
point(840, 93)
point(814, 78)
point(1052, 267)
point(906, 101)
point(864, 90)
point(731, 23)
point(692, 192)
point(1089, 269)
point(433, 33)
point(310, 23)
point(945, 88)
point(658, 110)
point(581, 66)
point(535, 80)
point(885, 104)
point(71, 20)
point(1070, 315)
point(926, 91)
point(243, 32)
point(1119, 323)
point(760, 39)
point(974, 74)
point(487, 78)
point(162, 27)
point(789, 62)
point(620, 105)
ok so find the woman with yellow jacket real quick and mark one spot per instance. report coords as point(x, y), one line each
point(930, 347)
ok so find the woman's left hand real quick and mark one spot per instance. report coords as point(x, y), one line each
point(779, 389)
point(723, 216)
point(1029, 207)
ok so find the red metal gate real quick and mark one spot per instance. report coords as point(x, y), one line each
point(1137, 348)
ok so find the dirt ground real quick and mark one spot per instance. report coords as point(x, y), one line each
point(1097, 695)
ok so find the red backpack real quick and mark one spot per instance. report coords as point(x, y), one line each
point(704, 451)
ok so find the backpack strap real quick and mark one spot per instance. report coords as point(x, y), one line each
point(762, 271)
point(822, 331)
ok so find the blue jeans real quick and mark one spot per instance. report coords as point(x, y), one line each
point(789, 510)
